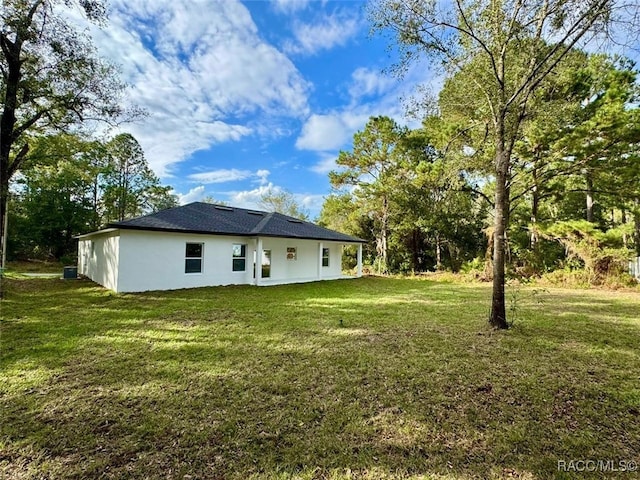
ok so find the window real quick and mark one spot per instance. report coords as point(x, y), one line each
point(325, 257)
point(239, 257)
point(292, 253)
point(193, 258)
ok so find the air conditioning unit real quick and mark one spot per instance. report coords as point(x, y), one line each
point(70, 273)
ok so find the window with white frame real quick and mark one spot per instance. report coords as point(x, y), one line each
point(292, 253)
point(239, 257)
point(325, 257)
point(193, 258)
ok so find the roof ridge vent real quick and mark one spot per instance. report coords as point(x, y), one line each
point(294, 220)
point(255, 212)
point(223, 207)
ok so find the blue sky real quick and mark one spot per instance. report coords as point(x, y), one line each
point(247, 96)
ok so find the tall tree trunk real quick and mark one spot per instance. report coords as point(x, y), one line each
point(488, 258)
point(416, 248)
point(535, 207)
point(438, 253)
point(453, 257)
point(12, 77)
point(95, 215)
point(384, 234)
point(498, 317)
point(4, 217)
point(623, 221)
point(636, 225)
point(4, 235)
point(589, 189)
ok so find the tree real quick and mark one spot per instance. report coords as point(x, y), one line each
point(56, 205)
point(370, 167)
point(505, 49)
point(341, 212)
point(601, 253)
point(90, 157)
point(282, 201)
point(129, 186)
point(213, 201)
point(50, 79)
point(438, 209)
point(51, 201)
point(159, 197)
point(70, 185)
point(600, 139)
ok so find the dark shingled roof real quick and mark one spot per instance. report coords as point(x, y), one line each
point(206, 218)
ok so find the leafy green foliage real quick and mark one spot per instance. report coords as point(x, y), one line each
point(416, 211)
point(283, 202)
point(373, 168)
point(51, 80)
point(576, 158)
point(129, 186)
point(69, 185)
point(600, 252)
point(341, 212)
point(499, 54)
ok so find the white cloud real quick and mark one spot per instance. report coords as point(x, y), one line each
point(322, 132)
point(324, 34)
point(220, 176)
point(313, 203)
point(224, 175)
point(262, 176)
point(289, 6)
point(326, 163)
point(368, 82)
point(194, 195)
point(333, 130)
point(192, 65)
point(251, 198)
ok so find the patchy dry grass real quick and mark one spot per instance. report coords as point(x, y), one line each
point(35, 266)
point(371, 378)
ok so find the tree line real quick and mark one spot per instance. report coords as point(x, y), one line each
point(69, 185)
point(500, 57)
point(424, 198)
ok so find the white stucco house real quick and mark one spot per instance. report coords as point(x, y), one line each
point(201, 244)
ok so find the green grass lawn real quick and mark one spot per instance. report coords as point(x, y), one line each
point(35, 267)
point(371, 378)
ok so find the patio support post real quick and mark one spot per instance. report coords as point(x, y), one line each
point(359, 268)
point(258, 260)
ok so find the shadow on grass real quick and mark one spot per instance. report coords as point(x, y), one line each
point(385, 377)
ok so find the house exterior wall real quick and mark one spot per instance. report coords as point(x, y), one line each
point(156, 261)
point(98, 258)
point(305, 268)
point(137, 261)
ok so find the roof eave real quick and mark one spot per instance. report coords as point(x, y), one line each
point(98, 232)
point(228, 234)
